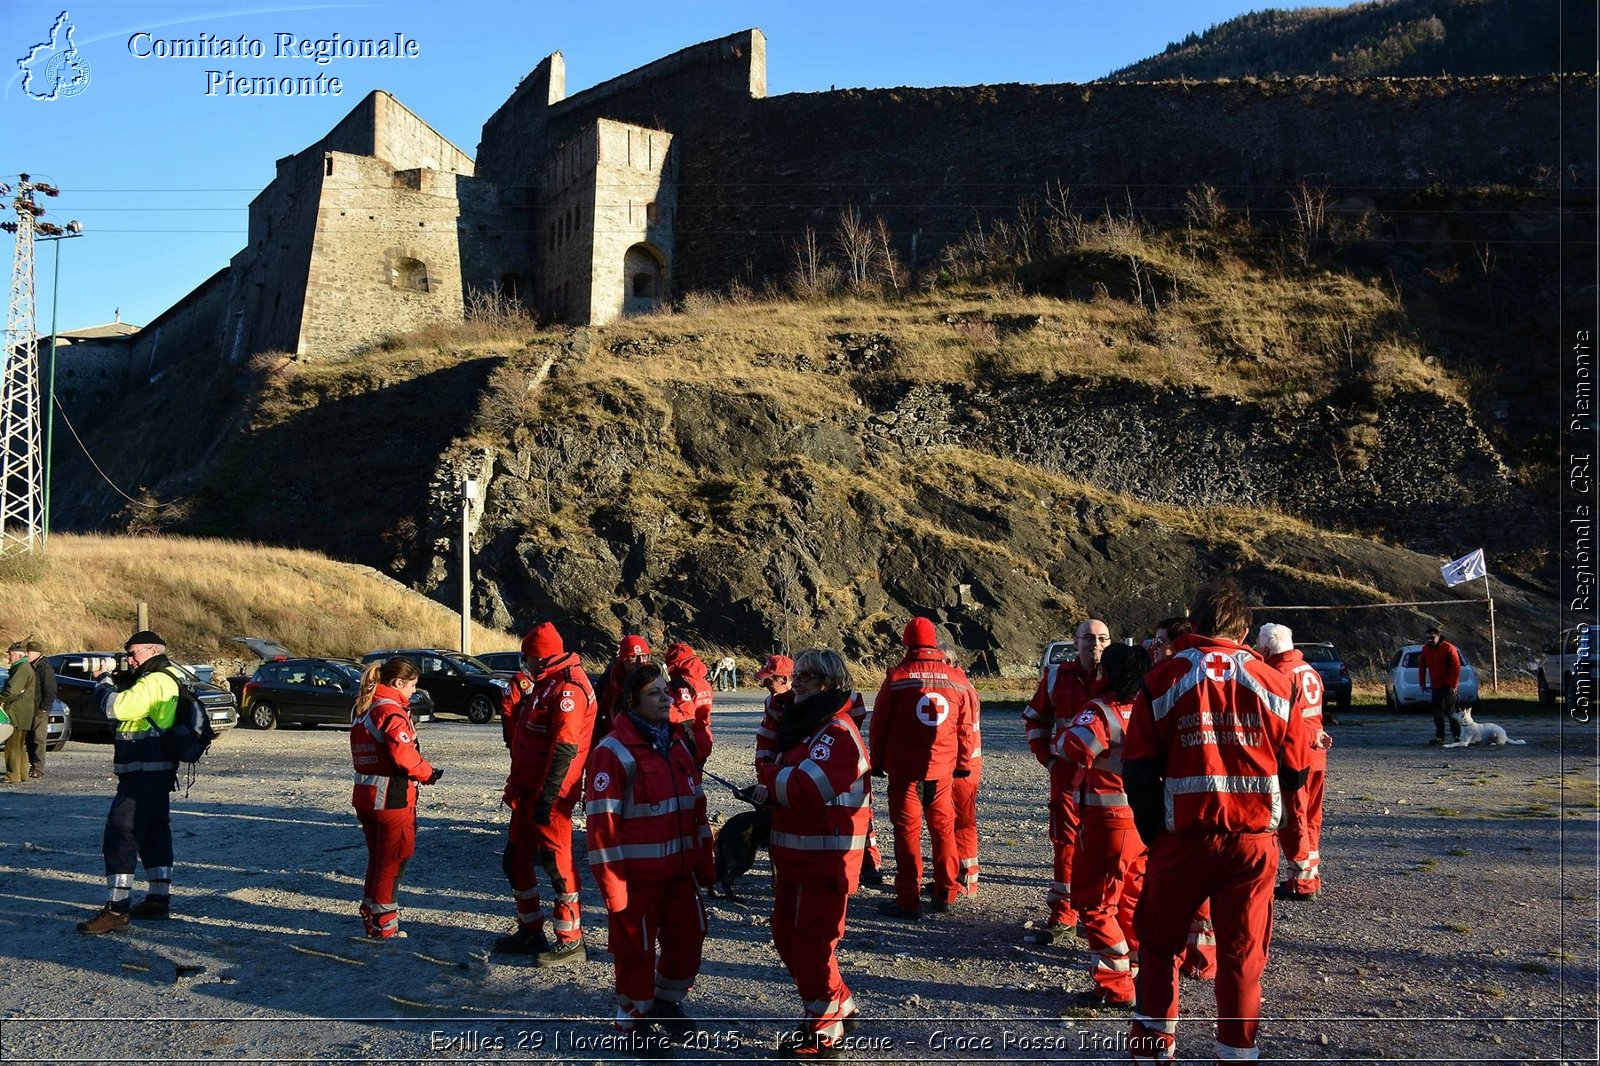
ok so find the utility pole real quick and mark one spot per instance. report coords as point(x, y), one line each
point(73, 228)
point(21, 474)
point(469, 492)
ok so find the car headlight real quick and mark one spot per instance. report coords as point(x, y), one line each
point(501, 683)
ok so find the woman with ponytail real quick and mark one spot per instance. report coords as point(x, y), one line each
point(388, 767)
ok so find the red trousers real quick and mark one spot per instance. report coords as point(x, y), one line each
point(668, 913)
point(1063, 841)
point(964, 793)
point(1235, 871)
point(548, 847)
point(807, 924)
point(1200, 957)
point(1106, 882)
point(908, 800)
point(391, 841)
point(1301, 836)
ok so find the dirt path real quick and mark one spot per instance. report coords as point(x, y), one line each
point(1458, 923)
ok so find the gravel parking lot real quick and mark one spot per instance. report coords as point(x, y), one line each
point(1458, 922)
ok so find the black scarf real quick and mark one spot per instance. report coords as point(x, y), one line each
point(804, 717)
point(659, 737)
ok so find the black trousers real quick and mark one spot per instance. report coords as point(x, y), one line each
point(1444, 705)
point(139, 825)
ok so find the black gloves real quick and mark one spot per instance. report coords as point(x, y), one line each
point(433, 778)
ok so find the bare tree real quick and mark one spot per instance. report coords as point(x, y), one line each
point(890, 269)
point(855, 241)
point(809, 264)
point(1310, 207)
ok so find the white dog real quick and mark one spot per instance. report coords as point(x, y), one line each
point(1479, 733)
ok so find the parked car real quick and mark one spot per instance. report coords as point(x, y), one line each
point(311, 692)
point(459, 684)
point(1057, 652)
point(1559, 667)
point(75, 688)
point(1403, 689)
point(1329, 664)
point(60, 730)
point(508, 662)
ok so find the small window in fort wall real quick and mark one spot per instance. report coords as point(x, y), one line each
point(651, 214)
point(327, 165)
point(408, 275)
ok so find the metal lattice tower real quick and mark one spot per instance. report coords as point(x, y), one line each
point(21, 461)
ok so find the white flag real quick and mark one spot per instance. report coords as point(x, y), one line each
point(1469, 567)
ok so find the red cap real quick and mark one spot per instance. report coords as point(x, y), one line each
point(632, 646)
point(679, 654)
point(542, 642)
point(776, 666)
point(920, 634)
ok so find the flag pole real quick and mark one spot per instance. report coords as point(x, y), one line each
point(1494, 647)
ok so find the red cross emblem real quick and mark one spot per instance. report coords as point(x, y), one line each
point(1313, 688)
point(1219, 667)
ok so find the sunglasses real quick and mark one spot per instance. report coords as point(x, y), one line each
point(807, 675)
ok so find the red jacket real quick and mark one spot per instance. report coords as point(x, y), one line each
point(1215, 739)
point(383, 749)
point(610, 689)
point(521, 688)
point(1442, 663)
point(772, 713)
point(646, 813)
point(975, 726)
point(1308, 693)
point(1093, 741)
point(922, 719)
point(554, 723)
point(821, 807)
point(691, 696)
point(1063, 692)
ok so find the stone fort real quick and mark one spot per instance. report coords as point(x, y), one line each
point(684, 174)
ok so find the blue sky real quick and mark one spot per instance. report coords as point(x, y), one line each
point(160, 173)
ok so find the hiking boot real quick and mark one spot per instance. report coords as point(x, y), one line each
point(1055, 934)
point(1098, 999)
point(937, 906)
point(527, 940)
point(380, 938)
point(1436, 742)
point(107, 921)
point(36, 772)
point(671, 1019)
point(891, 909)
point(153, 908)
point(562, 953)
point(1286, 892)
point(872, 875)
point(1194, 973)
point(809, 1045)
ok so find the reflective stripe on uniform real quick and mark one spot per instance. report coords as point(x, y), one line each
point(370, 779)
point(1104, 799)
point(143, 767)
point(818, 842)
point(1237, 1054)
point(1221, 784)
point(675, 846)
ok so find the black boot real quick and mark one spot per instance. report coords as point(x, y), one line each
point(527, 940)
point(153, 908)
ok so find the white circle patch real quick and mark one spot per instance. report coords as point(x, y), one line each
point(1313, 688)
point(404, 738)
point(1219, 667)
point(602, 781)
point(820, 752)
point(567, 704)
point(933, 709)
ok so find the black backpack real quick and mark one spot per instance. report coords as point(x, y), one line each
point(191, 733)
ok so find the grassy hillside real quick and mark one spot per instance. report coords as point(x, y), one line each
point(201, 593)
point(1389, 38)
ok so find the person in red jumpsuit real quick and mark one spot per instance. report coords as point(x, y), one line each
point(554, 724)
point(388, 767)
point(692, 694)
point(921, 736)
point(1301, 834)
point(964, 792)
point(1108, 870)
point(776, 676)
point(1064, 690)
point(632, 653)
point(1213, 750)
point(817, 788)
point(650, 853)
point(1200, 956)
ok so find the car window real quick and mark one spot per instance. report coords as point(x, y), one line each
point(1318, 653)
point(432, 664)
point(266, 674)
point(349, 673)
point(468, 665)
point(1410, 659)
point(327, 677)
point(1063, 653)
point(293, 675)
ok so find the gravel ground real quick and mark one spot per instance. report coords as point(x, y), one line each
point(1458, 922)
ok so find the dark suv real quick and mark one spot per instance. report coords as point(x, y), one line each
point(76, 690)
point(1329, 664)
point(459, 684)
point(311, 692)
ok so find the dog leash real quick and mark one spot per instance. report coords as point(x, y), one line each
point(739, 793)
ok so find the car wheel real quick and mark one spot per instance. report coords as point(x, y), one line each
point(480, 710)
point(1390, 701)
point(1344, 702)
point(263, 715)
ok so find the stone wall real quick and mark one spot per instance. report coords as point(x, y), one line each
point(635, 202)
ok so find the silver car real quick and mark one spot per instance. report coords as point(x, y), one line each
point(60, 719)
point(1403, 688)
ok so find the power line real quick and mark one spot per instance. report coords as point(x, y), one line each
point(89, 457)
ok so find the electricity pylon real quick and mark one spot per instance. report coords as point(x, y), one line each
point(21, 465)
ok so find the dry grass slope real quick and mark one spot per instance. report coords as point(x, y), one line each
point(203, 592)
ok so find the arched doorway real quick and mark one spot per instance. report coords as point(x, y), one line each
point(644, 280)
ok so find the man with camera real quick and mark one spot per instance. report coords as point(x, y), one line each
point(142, 699)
